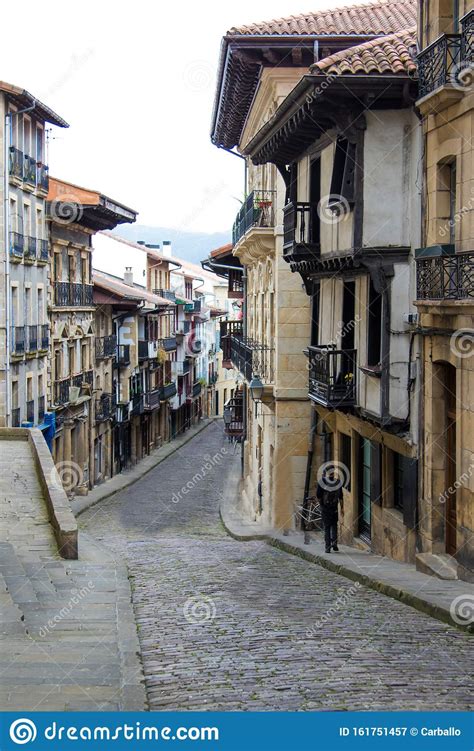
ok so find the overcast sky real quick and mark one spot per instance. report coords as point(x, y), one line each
point(136, 81)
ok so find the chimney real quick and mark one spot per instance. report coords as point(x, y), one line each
point(128, 276)
point(141, 242)
point(167, 248)
point(153, 246)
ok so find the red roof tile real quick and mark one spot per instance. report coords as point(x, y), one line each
point(365, 19)
point(390, 54)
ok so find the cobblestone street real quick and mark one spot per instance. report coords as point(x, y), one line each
point(228, 625)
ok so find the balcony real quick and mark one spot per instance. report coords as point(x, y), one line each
point(180, 368)
point(143, 349)
point(105, 346)
point(193, 307)
point(444, 277)
point(86, 378)
point(16, 417)
point(138, 404)
point(169, 343)
point(152, 399)
point(105, 407)
point(332, 376)
point(301, 230)
point(236, 284)
point(32, 339)
point(123, 354)
point(168, 391)
point(258, 210)
point(250, 358)
point(16, 163)
point(29, 252)
point(17, 244)
point(447, 60)
point(43, 176)
point(30, 411)
point(18, 341)
point(196, 390)
point(167, 294)
point(43, 251)
point(61, 391)
point(43, 336)
point(29, 171)
point(234, 408)
point(73, 295)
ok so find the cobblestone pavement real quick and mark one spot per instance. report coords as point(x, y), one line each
point(229, 625)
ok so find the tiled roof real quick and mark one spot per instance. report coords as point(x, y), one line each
point(224, 250)
point(365, 19)
point(27, 100)
point(117, 286)
point(390, 54)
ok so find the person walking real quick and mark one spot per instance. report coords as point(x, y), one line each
point(329, 495)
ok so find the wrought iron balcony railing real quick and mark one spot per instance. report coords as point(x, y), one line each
point(17, 244)
point(29, 170)
point(105, 407)
point(43, 176)
point(332, 376)
point(16, 162)
point(43, 254)
point(32, 338)
point(105, 346)
point(43, 336)
point(301, 228)
point(258, 210)
point(252, 358)
point(168, 343)
point(167, 294)
point(439, 63)
point(168, 391)
point(18, 340)
point(73, 295)
point(29, 252)
point(197, 388)
point(445, 277)
point(61, 391)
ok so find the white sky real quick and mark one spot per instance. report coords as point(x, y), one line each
point(136, 82)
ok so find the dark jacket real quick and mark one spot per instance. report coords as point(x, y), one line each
point(328, 501)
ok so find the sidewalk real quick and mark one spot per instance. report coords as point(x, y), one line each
point(124, 479)
point(401, 581)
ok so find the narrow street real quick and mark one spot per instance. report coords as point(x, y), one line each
point(227, 625)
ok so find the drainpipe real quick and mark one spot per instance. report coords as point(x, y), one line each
point(309, 466)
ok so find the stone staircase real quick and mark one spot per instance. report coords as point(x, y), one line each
point(67, 633)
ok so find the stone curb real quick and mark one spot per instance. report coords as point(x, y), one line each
point(81, 504)
point(236, 529)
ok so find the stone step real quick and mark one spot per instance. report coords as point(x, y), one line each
point(437, 564)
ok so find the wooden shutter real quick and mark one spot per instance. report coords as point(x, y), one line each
point(376, 473)
point(410, 491)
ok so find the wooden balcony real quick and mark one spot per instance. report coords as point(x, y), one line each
point(301, 230)
point(332, 376)
point(168, 391)
point(105, 346)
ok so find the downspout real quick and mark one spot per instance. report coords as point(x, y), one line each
point(309, 467)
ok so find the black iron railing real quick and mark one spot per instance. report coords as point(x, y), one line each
point(43, 250)
point(300, 226)
point(73, 295)
point(30, 410)
point(80, 379)
point(167, 294)
point(43, 336)
point(168, 391)
point(142, 349)
point(17, 244)
point(439, 63)
point(152, 399)
point(251, 357)
point(29, 170)
point(18, 340)
point(332, 376)
point(105, 346)
point(16, 417)
point(29, 248)
point(16, 163)
point(32, 338)
point(449, 277)
point(61, 390)
point(41, 408)
point(43, 176)
point(168, 343)
point(105, 407)
point(258, 210)
point(123, 354)
point(197, 388)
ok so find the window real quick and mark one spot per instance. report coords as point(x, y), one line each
point(39, 224)
point(27, 136)
point(374, 327)
point(343, 173)
point(446, 203)
point(345, 453)
point(398, 462)
point(315, 301)
point(26, 219)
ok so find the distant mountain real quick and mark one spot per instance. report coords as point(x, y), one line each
point(192, 246)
